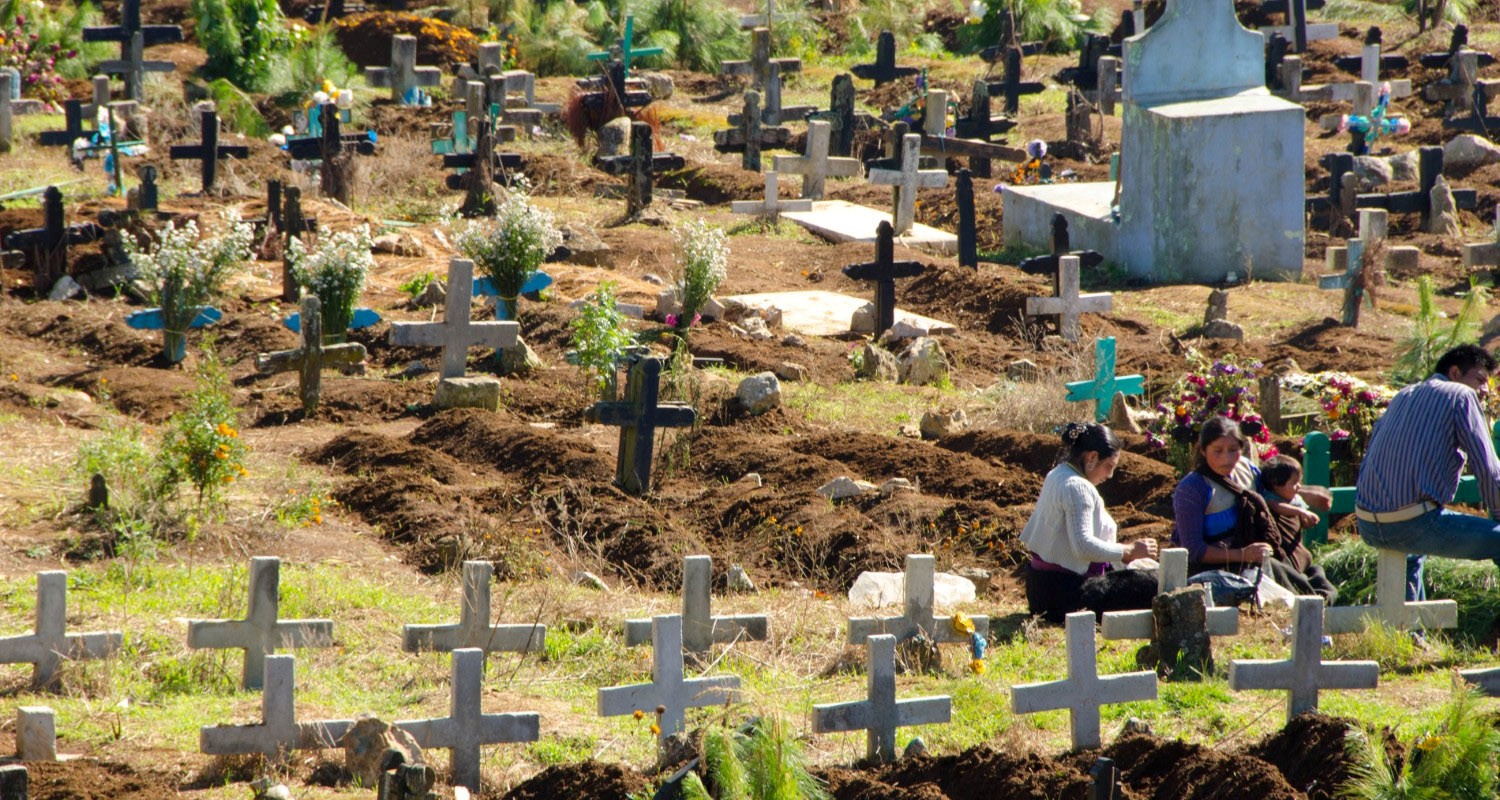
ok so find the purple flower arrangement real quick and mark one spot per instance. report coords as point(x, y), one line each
point(1222, 388)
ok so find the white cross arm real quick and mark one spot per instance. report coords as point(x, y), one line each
point(226, 633)
point(1092, 303)
point(862, 628)
point(1426, 615)
point(833, 167)
point(32, 648)
point(926, 178)
point(495, 638)
point(1029, 698)
point(858, 715)
point(333, 355)
point(1261, 674)
point(497, 335)
point(1141, 624)
point(725, 629)
point(619, 700)
point(493, 729)
point(762, 207)
point(238, 739)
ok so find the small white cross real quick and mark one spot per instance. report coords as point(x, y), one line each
point(1171, 576)
point(474, 628)
point(773, 205)
point(1305, 673)
point(456, 333)
point(279, 731)
point(1069, 304)
point(667, 690)
point(1390, 603)
point(917, 616)
point(403, 75)
point(50, 644)
point(816, 165)
point(260, 633)
point(467, 727)
point(1083, 692)
point(880, 713)
point(700, 630)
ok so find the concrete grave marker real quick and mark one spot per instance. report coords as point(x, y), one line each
point(1373, 225)
point(770, 208)
point(1485, 254)
point(815, 166)
point(279, 732)
point(758, 68)
point(208, 151)
point(638, 416)
point(884, 70)
point(49, 644)
point(1083, 692)
point(14, 782)
point(1061, 246)
point(917, 615)
point(908, 180)
point(1371, 62)
point(1305, 673)
point(474, 628)
point(310, 359)
point(1105, 385)
point(1171, 576)
point(668, 689)
point(467, 728)
point(880, 713)
point(456, 334)
point(403, 77)
point(36, 733)
point(1391, 606)
point(1069, 304)
point(261, 633)
point(700, 631)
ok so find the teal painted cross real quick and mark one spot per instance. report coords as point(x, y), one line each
point(505, 307)
point(1105, 384)
point(174, 342)
point(459, 144)
point(627, 52)
point(362, 318)
point(1373, 225)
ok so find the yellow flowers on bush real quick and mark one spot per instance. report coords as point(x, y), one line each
point(201, 444)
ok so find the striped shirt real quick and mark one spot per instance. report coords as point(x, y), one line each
point(1417, 450)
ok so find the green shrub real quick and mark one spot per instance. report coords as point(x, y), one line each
point(765, 762)
point(240, 38)
point(1432, 333)
point(1457, 758)
point(1058, 24)
point(696, 34)
point(201, 444)
point(598, 336)
point(1351, 567)
point(335, 271)
point(554, 38)
point(311, 57)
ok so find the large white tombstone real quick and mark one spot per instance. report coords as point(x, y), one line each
point(1211, 174)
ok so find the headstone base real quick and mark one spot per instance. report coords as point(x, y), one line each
point(473, 392)
point(36, 733)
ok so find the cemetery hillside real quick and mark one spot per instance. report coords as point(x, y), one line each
point(749, 399)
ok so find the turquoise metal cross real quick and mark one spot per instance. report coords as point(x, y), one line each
point(627, 53)
point(1105, 384)
point(1349, 281)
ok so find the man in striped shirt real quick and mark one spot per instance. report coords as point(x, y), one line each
point(1415, 458)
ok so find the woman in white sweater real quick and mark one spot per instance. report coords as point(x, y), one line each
point(1072, 536)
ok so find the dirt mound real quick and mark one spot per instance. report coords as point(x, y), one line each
point(984, 300)
point(483, 438)
point(362, 452)
point(936, 471)
point(345, 400)
point(715, 183)
point(101, 336)
point(150, 395)
point(87, 779)
point(366, 40)
point(589, 779)
point(1310, 752)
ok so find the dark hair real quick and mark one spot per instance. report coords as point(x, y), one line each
point(1217, 428)
point(1278, 470)
point(1465, 357)
point(1087, 437)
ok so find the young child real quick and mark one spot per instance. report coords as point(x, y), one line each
point(1280, 481)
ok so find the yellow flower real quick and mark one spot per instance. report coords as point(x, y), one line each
point(962, 624)
point(639, 714)
point(1430, 743)
point(655, 729)
point(14, 376)
point(977, 666)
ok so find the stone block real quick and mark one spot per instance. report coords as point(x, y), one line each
point(373, 746)
point(937, 424)
point(791, 371)
point(923, 362)
point(480, 391)
point(843, 487)
point(614, 138)
point(1023, 371)
point(876, 363)
point(36, 733)
point(1467, 151)
point(760, 393)
point(1403, 259)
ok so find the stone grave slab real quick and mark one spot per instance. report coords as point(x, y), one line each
point(820, 313)
point(1306, 673)
point(842, 221)
point(467, 727)
point(880, 713)
point(1084, 691)
point(700, 630)
point(279, 731)
point(262, 632)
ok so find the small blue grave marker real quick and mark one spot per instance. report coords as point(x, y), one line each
point(1105, 384)
point(363, 318)
point(174, 343)
point(506, 312)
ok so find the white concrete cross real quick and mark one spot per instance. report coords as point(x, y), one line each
point(279, 731)
point(1390, 603)
point(668, 689)
point(917, 616)
point(700, 630)
point(403, 76)
point(1069, 304)
point(124, 109)
point(467, 727)
point(1083, 692)
point(519, 81)
point(260, 633)
point(815, 165)
point(1171, 576)
point(1369, 72)
point(456, 333)
point(50, 644)
point(908, 180)
point(1305, 673)
point(474, 628)
point(771, 207)
point(880, 713)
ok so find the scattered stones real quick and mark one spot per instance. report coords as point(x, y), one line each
point(712, 310)
point(270, 789)
point(915, 747)
point(65, 289)
point(904, 329)
point(937, 424)
point(793, 340)
point(1404, 167)
point(791, 371)
point(876, 363)
point(1443, 219)
point(415, 369)
point(519, 360)
point(1023, 371)
point(923, 362)
point(1372, 171)
point(1223, 329)
point(1467, 150)
point(478, 391)
point(1218, 306)
point(760, 393)
point(582, 246)
point(979, 576)
point(653, 279)
point(844, 487)
point(36, 733)
point(754, 329)
point(894, 485)
point(667, 303)
point(1120, 416)
point(1137, 726)
point(372, 746)
point(404, 245)
point(738, 580)
point(589, 580)
point(753, 477)
point(614, 138)
point(435, 293)
point(863, 319)
point(658, 85)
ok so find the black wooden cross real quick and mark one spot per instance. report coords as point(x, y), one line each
point(72, 127)
point(208, 151)
point(1355, 64)
point(132, 63)
point(638, 416)
point(48, 245)
point(980, 125)
point(752, 136)
point(1429, 169)
point(841, 117)
point(884, 70)
point(1061, 246)
point(1296, 18)
point(293, 225)
point(1479, 120)
point(1086, 75)
point(884, 271)
point(1012, 86)
point(481, 166)
point(1458, 42)
point(146, 194)
point(968, 234)
point(641, 165)
point(1277, 48)
point(1008, 38)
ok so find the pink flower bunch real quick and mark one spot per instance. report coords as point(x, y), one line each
point(673, 318)
point(35, 60)
point(1221, 388)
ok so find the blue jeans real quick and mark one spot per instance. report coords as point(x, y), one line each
point(1438, 533)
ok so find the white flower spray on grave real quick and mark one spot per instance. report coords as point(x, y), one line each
point(335, 271)
point(703, 252)
point(184, 272)
point(511, 246)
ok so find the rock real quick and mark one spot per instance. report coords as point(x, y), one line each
point(923, 362)
point(876, 363)
point(1467, 150)
point(772, 315)
point(589, 580)
point(1443, 219)
point(843, 487)
point(1223, 329)
point(863, 319)
point(372, 746)
point(667, 304)
point(1137, 726)
point(1181, 632)
point(1404, 167)
point(1372, 171)
point(1023, 371)
point(475, 391)
point(654, 280)
point(979, 575)
point(659, 85)
point(734, 310)
point(909, 431)
point(408, 246)
point(739, 581)
point(614, 138)
point(270, 789)
point(1218, 306)
point(793, 340)
point(1120, 418)
point(1402, 259)
point(937, 424)
point(712, 310)
point(915, 747)
point(581, 246)
point(519, 360)
point(435, 293)
point(894, 485)
point(903, 329)
point(753, 477)
point(791, 371)
point(65, 289)
point(385, 243)
point(755, 329)
point(414, 370)
point(759, 393)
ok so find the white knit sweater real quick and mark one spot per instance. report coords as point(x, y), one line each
point(1070, 526)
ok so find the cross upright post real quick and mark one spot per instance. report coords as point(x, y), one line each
point(638, 416)
point(474, 628)
point(771, 207)
point(134, 38)
point(48, 245)
point(758, 67)
point(1069, 304)
point(49, 645)
point(279, 732)
point(880, 713)
point(884, 271)
point(628, 52)
point(815, 166)
point(1373, 225)
point(456, 334)
point(641, 166)
point(208, 151)
point(841, 112)
point(1012, 87)
point(981, 126)
point(668, 691)
point(1304, 674)
point(311, 358)
point(701, 630)
point(917, 614)
point(1172, 576)
point(968, 233)
point(1105, 385)
point(908, 180)
point(73, 129)
point(261, 633)
point(480, 167)
point(884, 70)
point(403, 77)
point(1084, 691)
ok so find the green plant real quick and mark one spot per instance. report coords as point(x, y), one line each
point(696, 34)
point(1431, 334)
point(703, 253)
point(511, 247)
point(417, 285)
point(45, 44)
point(1458, 758)
point(1058, 24)
point(765, 762)
point(1351, 567)
point(240, 37)
point(335, 271)
point(182, 273)
point(125, 458)
point(236, 109)
point(202, 442)
point(598, 337)
point(310, 57)
point(554, 38)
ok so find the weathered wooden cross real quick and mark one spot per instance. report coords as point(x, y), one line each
point(641, 165)
point(481, 168)
point(937, 143)
point(638, 416)
point(815, 166)
point(626, 52)
point(403, 77)
point(456, 334)
point(752, 136)
point(1298, 31)
point(260, 634)
point(467, 728)
point(771, 207)
point(1462, 89)
point(980, 125)
point(49, 645)
point(701, 630)
point(1391, 606)
point(1105, 385)
point(907, 181)
point(1306, 673)
point(131, 63)
point(47, 246)
point(880, 713)
point(1171, 576)
point(1011, 86)
point(884, 70)
point(917, 617)
point(310, 359)
point(1069, 304)
point(884, 271)
point(73, 129)
point(278, 732)
point(1084, 691)
point(758, 67)
point(1373, 225)
point(208, 151)
point(473, 628)
point(669, 693)
point(750, 21)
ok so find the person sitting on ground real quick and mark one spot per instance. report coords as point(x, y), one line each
point(1280, 484)
point(1071, 535)
point(1226, 525)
